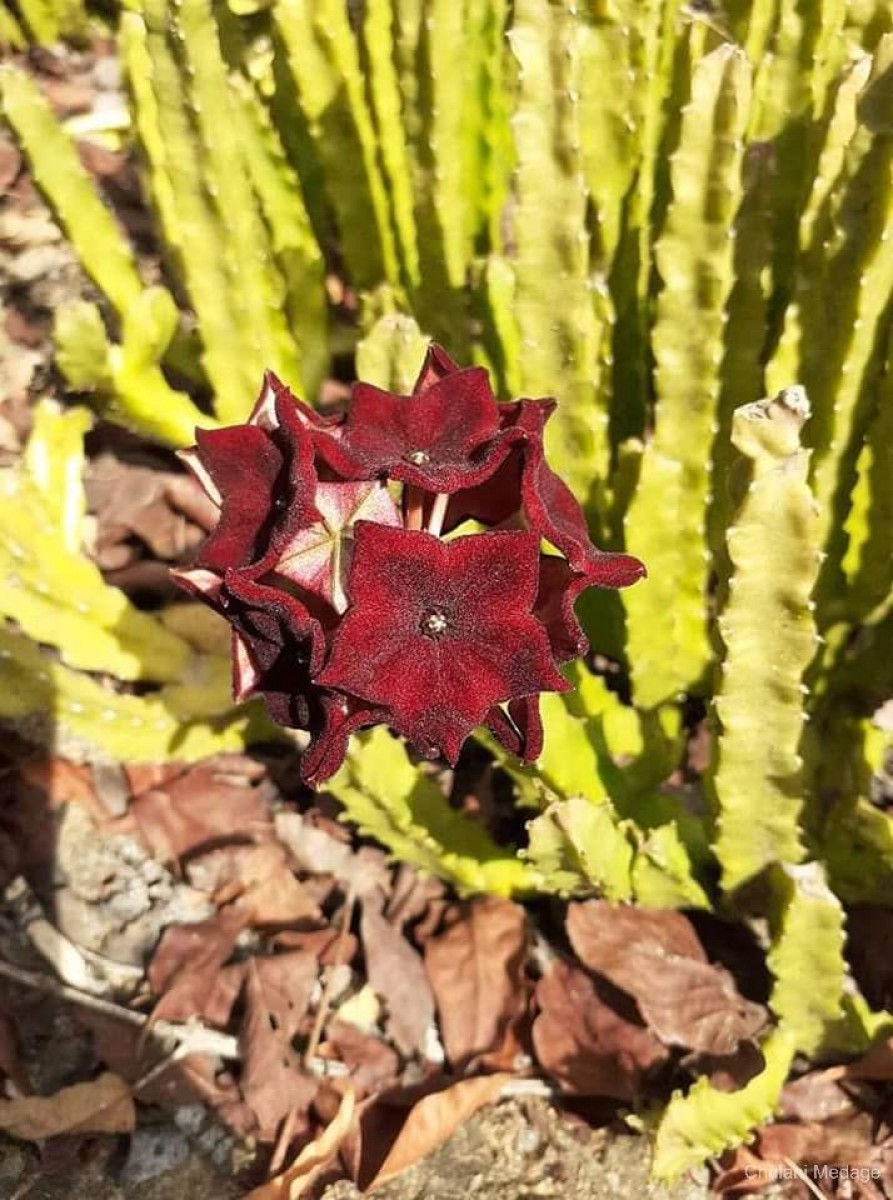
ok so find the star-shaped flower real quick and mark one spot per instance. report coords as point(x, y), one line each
point(440, 632)
point(347, 606)
point(440, 438)
point(277, 642)
point(317, 557)
point(261, 475)
point(524, 486)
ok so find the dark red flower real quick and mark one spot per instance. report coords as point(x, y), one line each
point(317, 557)
point(277, 648)
point(347, 606)
point(524, 485)
point(435, 439)
point(518, 727)
point(261, 475)
point(440, 632)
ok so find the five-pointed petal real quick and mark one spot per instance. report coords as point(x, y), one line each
point(436, 439)
point(440, 632)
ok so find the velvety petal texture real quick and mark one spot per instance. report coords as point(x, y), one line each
point(435, 439)
point(385, 565)
point(460, 612)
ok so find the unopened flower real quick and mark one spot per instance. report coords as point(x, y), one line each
point(357, 593)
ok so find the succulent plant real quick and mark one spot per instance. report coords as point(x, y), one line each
point(657, 214)
point(349, 608)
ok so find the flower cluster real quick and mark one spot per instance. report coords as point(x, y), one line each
point(388, 565)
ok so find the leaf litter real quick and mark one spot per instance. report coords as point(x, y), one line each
point(365, 1014)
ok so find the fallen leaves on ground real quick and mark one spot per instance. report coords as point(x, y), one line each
point(476, 968)
point(104, 1105)
point(397, 974)
point(273, 1081)
point(655, 956)
point(139, 508)
point(315, 849)
point(185, 970)
point(434, 1119)
point(587, 1045)
point(180, 808)
point(825, 1123)
point(260, 878)
point(372, 1064)
point(315, 1157)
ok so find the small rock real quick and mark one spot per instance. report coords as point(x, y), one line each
point(154, 1152)
point(36, 262)
point(107, 74)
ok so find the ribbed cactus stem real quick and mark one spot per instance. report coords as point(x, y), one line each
point(611, 104)
point(324, 63)
point(666, 620)
point(707, 1120)
point(555, 311)
point(741, 372)
point(384, 91)
point(49, 21)
point(769, 633)
point(493, 155)
point(868, 562)
point(76, 716)
point(55, 593)
point(806, 957)
point(448, 50)
point(191, 226)
point(391, 355)
point(12, 36)
point(255, 285)
point(101, 247)
point(126, 380)
point(844, 287)
point(384, 795)
point(302, 350)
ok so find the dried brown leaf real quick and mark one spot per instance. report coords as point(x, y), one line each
point(104, 1105)
point(315, 850)
point(166, 511)
point(816, 1097)
point(273, 1082)
point(63, 782)
point(584, 1042)
point(476, 968)
point(329, 946)
point(260, 876)
point(656, 957)
point(848, 1141)
point(412, 898)
point(435, 1118)
point(742, 1173)
point(186, 966)
point(727, 1072)
point(297, 1179)
point(397, 974)
point(373, 1065)
point(224, 797)
point(875, 1064)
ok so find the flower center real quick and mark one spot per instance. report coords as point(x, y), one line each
point(434, 623)
point(418, 458)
